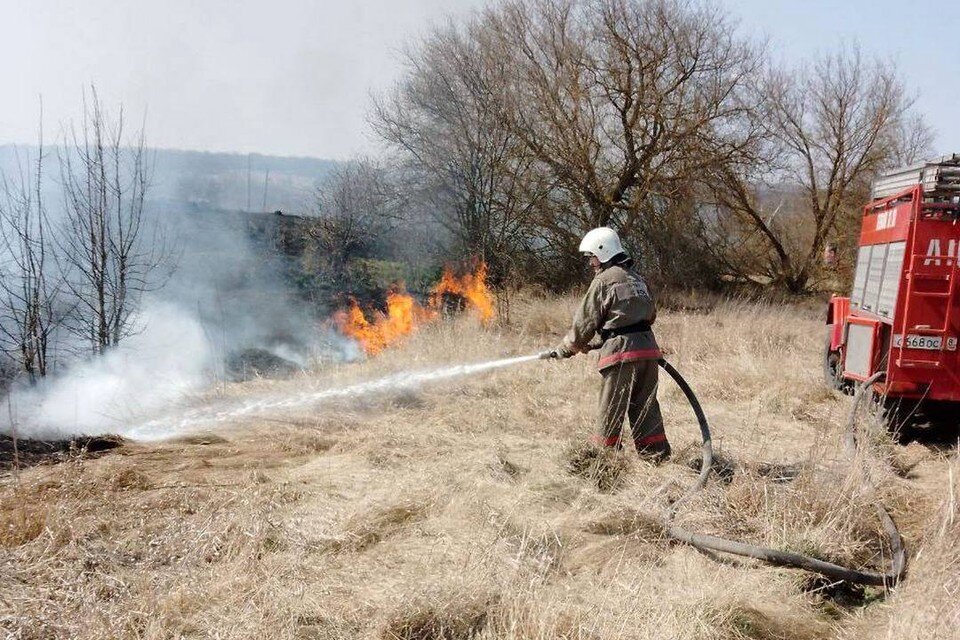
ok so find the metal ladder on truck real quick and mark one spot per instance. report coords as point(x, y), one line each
point(928, 268)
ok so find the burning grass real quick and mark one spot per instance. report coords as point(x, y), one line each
point(404, 314)
point(402, 318)
point(470, 509)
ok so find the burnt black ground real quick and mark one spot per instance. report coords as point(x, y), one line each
point(27, 453)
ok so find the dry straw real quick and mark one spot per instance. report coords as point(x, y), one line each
point(467, 509)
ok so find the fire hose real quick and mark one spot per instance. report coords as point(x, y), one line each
point(898, 562)
point(776, 556)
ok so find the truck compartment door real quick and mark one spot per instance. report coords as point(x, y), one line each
point(860, 355)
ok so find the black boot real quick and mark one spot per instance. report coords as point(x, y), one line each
point(655, 449)
point(662, 453)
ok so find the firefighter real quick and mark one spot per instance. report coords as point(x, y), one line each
point(619, 309)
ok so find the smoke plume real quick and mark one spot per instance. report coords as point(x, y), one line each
point(151, 371)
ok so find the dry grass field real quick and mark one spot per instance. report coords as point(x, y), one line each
point(459, 510)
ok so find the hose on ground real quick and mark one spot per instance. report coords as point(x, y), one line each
point(776, 556)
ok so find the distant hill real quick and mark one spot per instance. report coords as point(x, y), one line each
point(199, 180)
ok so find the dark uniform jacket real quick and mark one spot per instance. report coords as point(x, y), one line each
point(617, 298)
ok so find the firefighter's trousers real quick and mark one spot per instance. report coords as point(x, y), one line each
point(630, 390)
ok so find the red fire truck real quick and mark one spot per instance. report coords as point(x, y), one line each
point(902, 317)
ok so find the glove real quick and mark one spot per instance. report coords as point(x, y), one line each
point(563, 351)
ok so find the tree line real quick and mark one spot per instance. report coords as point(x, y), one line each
point(516, 130)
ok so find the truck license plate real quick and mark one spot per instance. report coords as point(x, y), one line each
point(927, 343)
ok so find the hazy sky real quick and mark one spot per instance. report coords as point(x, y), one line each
point(293, 77)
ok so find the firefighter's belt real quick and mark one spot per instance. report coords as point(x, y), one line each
point(638, 327)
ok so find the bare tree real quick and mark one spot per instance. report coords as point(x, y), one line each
point(623, 100)
point(912, 141)
point(828, 129)
point(30, 286)
point(458, 156)
point(356, 209)
point(110, 252)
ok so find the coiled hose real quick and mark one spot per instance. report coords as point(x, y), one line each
point(898, 561)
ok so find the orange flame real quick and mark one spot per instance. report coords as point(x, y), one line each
point(404, 315)
point(471, 287)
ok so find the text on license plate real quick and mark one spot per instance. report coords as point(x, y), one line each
point(928, 343)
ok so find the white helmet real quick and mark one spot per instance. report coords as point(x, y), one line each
point(602, 242)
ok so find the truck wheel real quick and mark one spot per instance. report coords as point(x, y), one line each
point(832, 372)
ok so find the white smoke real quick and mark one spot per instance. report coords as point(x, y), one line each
point(167, 359)
point(230, 291)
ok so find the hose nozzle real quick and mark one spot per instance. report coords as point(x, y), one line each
point(549, 355)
